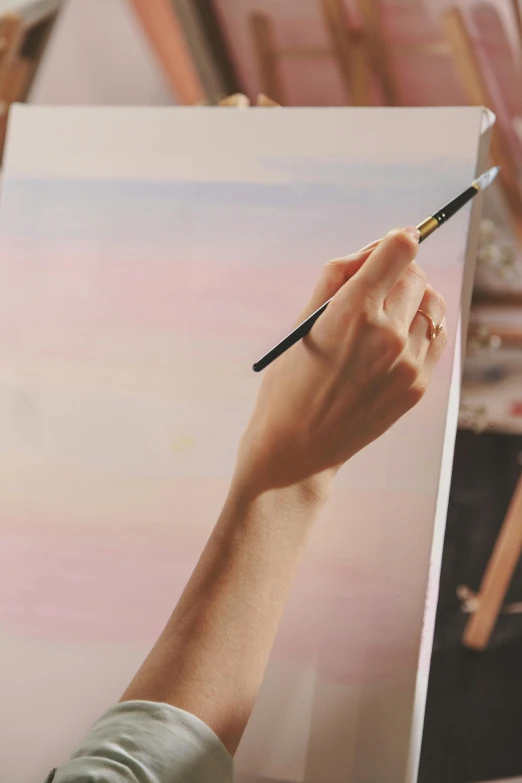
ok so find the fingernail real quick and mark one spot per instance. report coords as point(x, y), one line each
point(413, 231)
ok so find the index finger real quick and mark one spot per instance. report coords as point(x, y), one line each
point(387, 262)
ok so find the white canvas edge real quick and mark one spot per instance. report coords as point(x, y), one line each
point(443, 492)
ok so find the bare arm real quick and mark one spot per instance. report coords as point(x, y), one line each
point(211, 658)
point(365, 363)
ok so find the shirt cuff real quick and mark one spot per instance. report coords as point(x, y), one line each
point(148, 742)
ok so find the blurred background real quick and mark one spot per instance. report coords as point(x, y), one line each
point(360, 53)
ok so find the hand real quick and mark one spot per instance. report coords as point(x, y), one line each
point(366, 362)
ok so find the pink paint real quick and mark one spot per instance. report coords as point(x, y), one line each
point(83, 586)
point(86, 586)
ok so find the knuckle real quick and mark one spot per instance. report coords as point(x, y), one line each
point(332, 269)
point(394, 340)
point(416, 392)
point(410, 373)
point(338, 271)
point(403, 244)
point(368, 311)
point(419, 274)
point(333, 263)
point(437, 301)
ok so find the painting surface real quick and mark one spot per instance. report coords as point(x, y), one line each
point(147, 258)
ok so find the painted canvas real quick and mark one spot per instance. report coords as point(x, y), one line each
point(147, 258)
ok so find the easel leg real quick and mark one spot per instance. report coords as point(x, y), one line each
point(263, 39)
point(498, 575)
point(165, 33)
point(477, 90)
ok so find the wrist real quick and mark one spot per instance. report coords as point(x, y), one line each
point(262, 466)
point(305, 498)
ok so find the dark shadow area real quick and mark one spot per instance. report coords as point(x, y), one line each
point(473, 725)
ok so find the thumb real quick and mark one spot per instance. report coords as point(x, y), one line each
point(333, 276)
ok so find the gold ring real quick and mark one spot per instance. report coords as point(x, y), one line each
point(436, 329)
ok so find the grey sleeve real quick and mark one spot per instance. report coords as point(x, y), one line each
point(147, 742)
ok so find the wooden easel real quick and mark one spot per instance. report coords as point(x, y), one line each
point(165, 33)
point(22, 43)
point(478, 94)
point(488, 603)
point(13, 70)
point(517, 10)
point(382, 53)
point(363, 55)
point(347, 49)
point(379, 51)
point(497, 577)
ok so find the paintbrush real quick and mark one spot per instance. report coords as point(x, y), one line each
point(426, 228)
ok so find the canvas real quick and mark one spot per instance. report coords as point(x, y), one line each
point(147, 258)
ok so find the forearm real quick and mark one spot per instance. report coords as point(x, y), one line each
point(212, 655)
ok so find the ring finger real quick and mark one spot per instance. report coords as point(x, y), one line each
point(405, 298)
point(435, 349)
point(433, 310)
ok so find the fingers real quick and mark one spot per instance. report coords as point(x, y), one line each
point(385, 271)
point(334, 275)
point(433, 305)
point(238, 101)
point(424, 351)
point(370, 246)
point(388, 262)
point(435, 350)
point(406, 296)
point(264, 100)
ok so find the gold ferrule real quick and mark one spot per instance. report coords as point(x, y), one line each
point(427, 227)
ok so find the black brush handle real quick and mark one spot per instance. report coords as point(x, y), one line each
point(453, 207)
point(294, 337)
